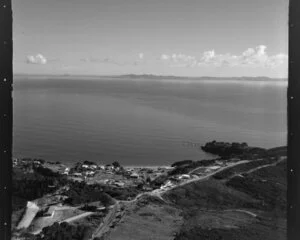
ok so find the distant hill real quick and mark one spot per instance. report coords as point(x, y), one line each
point(242, 78)
point(152, 76)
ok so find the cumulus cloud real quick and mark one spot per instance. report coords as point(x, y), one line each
point(37, 59)
point(180, 60)
point(208, 56)
point(164, 57)
point(256, 57)
point(276, 60)
point(141, 56)
point(109, 60)
point(91, 60)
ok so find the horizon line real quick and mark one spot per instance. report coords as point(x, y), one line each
point(140, 75)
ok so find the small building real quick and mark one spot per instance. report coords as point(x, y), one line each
point(66, 172)
point(185, 176)
point(119, 184)
point(77, 174)
point(90, 173)
point(214, 167)
point(134, 175)
point(94, 166)
point(147, 188)
point(109, 167)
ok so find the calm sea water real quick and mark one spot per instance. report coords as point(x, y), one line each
point(141, 122)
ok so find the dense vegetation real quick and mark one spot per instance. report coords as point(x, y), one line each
point(80, 192)
point(158, 181)
point(28, 186)
point(64, 231)
point(185, 167)
point(228, 150)
point(121, 193)
point(181, 163)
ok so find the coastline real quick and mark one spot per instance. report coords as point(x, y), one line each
point(111, 192)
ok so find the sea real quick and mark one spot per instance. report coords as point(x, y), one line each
point(140, 121)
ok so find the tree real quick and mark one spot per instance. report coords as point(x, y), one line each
point(116, 164)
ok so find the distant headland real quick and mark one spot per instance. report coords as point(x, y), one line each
point(156, 77)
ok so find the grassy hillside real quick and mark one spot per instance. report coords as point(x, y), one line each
point(249, 206)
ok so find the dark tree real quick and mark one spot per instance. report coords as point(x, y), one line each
point(116, 164)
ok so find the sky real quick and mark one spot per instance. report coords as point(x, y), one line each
point(162, 37)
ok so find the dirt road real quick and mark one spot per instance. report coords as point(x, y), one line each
point(72, 219)
point(104, 227)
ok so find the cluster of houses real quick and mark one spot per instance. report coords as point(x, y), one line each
point(85, 170)
point(27, 162)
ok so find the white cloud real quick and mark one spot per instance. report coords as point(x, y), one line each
point(180, 60)
point(255, 57)
point(278, 59)
point(37, 59)
point(99, 60)
point(208, 56)
point(91, 60)
point(109, 60)
point(141, 56)
point(164, 57)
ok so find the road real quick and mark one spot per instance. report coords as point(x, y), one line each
point(72, 219)
point(158, 192)
point(241, 210)
point(257, 168)
point(104, 227)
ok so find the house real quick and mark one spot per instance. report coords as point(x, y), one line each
point(93, 166)
point(119, 184)
point(90, 173)
point(109, 167)
point(214, 167)
point(184, 176)
point(77, 174)
point(147, 188)
point(134, 175)
point(66, 172)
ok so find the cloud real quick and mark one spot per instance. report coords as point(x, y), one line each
point(37, 59)
point(180, 60)
point(164, 57)
point(278, 59)
point(98, 60)
point(255, 57)
point(108, 60)
point(91, 59)
point(141, 56)
point(208, 56)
